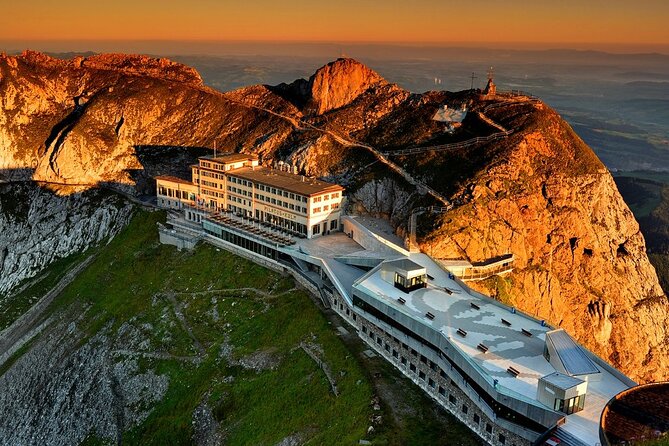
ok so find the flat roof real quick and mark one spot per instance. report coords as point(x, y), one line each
point(298, 184)
point(562, 381)
point(507, 345)
point(571, 354)
point(229, 157)
point(405, 265)
point(174, 179)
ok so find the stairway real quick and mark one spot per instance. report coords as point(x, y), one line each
point(568, 439)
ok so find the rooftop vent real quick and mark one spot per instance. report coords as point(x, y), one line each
point(482, 347)
point(505, 322)
point(513, 372)
point(526, 333)
point(429, 315)
point(461, 332)
point(401, 300)
point(474, 306)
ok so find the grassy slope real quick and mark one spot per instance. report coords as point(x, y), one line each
point(132, 280)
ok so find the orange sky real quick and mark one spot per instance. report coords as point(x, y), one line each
point(435, 21)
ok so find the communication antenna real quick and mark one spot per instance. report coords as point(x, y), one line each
point(214, 148)
point(473, 77)
point(491, 74)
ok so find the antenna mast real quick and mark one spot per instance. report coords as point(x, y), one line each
point(473, 77)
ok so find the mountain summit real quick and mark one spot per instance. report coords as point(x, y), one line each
point(518, 178)
point(340, 82)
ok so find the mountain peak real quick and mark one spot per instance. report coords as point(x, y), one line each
point(340, 82)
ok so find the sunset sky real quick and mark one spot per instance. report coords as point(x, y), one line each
point(419, 21)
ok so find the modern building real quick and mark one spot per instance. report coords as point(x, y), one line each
point(511, 378)
point(237, 184)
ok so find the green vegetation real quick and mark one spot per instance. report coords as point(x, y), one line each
point(232, 311)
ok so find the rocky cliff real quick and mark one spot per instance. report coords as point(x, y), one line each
point(518, 178)
point(38, 226)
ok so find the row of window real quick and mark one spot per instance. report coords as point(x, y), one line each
point(241, 201)
point(282, 193)
point(241, 181)
point(281, 203)
point(218, 176)
point(181, 194)
point(213, 194)
point(452, 399)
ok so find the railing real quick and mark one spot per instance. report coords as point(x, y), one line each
point(452, 146)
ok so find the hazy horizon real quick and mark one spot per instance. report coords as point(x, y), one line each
point(305, 48)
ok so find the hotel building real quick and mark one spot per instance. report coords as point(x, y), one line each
point(236, 183)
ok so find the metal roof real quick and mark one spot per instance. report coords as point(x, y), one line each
point(299, 184)
point(229, 157)
point(572, 356)
point(405, 265)
point(562, 381)
point(173, 179)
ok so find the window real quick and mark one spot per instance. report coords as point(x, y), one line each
point(326, 197)
point(316, 229)
point(502, 439)
point(333, 225)
point(442, 391)
point(395, 354)
point(292, 196)
point(465, 409)
point(364, 329)
point(317, 199)
point(317, 210)
point(477, 419)
point(488, 428)
point(326, 208)
point(430, 382)
point(451, 398)
point(403, 360)
point(412, 367)
point(421, 375)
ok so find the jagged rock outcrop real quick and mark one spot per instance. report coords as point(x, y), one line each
point(38, 226)
point(580, 259)
point(539, 193)
point(339, 83)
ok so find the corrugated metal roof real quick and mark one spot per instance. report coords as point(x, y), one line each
point(562, 381)
point(283, 180)
point(574, 359)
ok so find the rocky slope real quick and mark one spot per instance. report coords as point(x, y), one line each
point(38, 226)
point(538, 192)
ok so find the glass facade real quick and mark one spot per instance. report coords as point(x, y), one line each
point(571, 405)
point(407, 285)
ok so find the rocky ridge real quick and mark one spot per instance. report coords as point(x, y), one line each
point(539, 193)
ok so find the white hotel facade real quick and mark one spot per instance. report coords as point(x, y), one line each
point(237, 183)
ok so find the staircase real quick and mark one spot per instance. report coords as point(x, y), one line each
point(568, 439)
